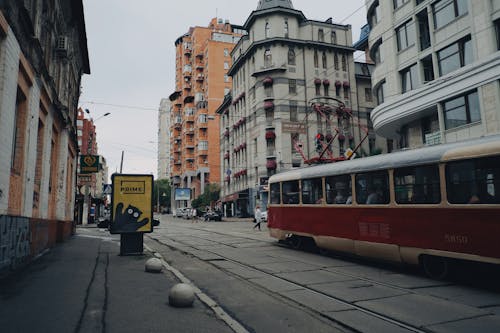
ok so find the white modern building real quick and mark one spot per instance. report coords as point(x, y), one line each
point(437, 70)
point(282, 66)
point(164, 158)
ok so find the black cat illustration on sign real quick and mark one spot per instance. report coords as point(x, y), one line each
point(128, 220)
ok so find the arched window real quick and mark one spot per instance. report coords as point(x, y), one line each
point(291, 56)
point(344, 63)
point(286, 28)
point(268, 58)
point(336, 61)
point(334, 37)
point(323, 59)
point(268, 28)
point(316, 61)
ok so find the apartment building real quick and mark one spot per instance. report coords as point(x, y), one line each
point(282, 66)
point(202, 64)
point(437, 69)
point(164, 113)
point(43, 54)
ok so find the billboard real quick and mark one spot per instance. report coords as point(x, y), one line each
point(182, 194)
point(132, 204)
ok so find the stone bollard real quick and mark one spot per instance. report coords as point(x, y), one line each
point(154, 265)
point(181, 295)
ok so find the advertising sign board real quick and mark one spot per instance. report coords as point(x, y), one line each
point(132, 204)
point(89, 163)
point(182, 194)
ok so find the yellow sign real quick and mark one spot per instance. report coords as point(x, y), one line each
point(132, 204)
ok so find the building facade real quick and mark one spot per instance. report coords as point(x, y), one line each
point(90, 199)
point(437, 70)
point(202, 62)
point(164, 113)
point(281, 67)
point(43, 54)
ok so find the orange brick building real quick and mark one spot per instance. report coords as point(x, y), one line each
point(203, 57)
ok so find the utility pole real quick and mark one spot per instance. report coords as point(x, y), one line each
point(121, 163)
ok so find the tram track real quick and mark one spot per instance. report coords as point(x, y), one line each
point(351, 305)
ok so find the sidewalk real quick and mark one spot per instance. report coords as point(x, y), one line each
point(83, 285)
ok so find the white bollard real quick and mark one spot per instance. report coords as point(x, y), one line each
point(154, 265)
point(181, 295)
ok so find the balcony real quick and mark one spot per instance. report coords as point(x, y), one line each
point(269, 68)
point(200, 77)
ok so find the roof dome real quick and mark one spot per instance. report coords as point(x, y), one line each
point(266, 4)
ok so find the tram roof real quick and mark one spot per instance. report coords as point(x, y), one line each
point(420, 156)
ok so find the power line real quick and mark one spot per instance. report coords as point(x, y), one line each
point(121, 106)
point(357, 10)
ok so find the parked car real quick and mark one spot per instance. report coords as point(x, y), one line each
point(179, 212)
point(213, 215)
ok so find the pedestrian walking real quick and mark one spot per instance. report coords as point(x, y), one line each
point(257, 217)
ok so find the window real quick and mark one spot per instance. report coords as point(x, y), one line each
point(275, 193)
point(267, 30)
point(203, 145)
point(374, 14)
point(372, 188)
point(226, 52)
point(285, 29)
point(226, 91)
point(346, 92)
point(292, 86)
point(326, 90)
point(252, 94)
point(318, 89)
point(417, 185)
point(226, 65)
point(376, 53)
point(399, 3)
point(405, 35)
point(474, 181)
point(409, 78)
point(455, 56)
point(291, 192)
point(323, 59)
point(291, 57)
point(423, 30)
point(380, 92)
point(226, 78)
point(461, 110)
point(368, 95)
point(446, 11)
point(336, 61)
point(344, 63)
point(338, 190)
point(321, 35)
point(497, 29)
point(428, 68)
point(316, 61)
point(293, 111)
point(334, 37)
point(268, 58)
point(312, 191)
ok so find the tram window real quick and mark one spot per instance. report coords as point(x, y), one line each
point(291, 192)
point(372, 188)
point(312, 191)
point(275, 193)
point(417, 185)
point(474, 181)
point(338, 190)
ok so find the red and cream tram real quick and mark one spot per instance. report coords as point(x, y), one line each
point(422, 206)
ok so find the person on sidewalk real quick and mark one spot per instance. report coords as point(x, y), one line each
point(257, 217)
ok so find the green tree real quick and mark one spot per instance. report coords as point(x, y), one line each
point(162, 187)
point(212, 194)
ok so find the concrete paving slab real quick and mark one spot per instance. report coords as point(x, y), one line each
point(315, 301)
point(461, 294)
point(421, 310)
point(274, 284)
point(356, 290)
point(365, 323)
point(487, 324)
point(246, 273)
point(313, 277)
point(285, 267)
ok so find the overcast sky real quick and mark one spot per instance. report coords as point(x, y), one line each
point(132, 63)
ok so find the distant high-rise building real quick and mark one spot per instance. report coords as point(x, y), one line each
point(437, 69)
point(202, 64)
point(164, 158)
